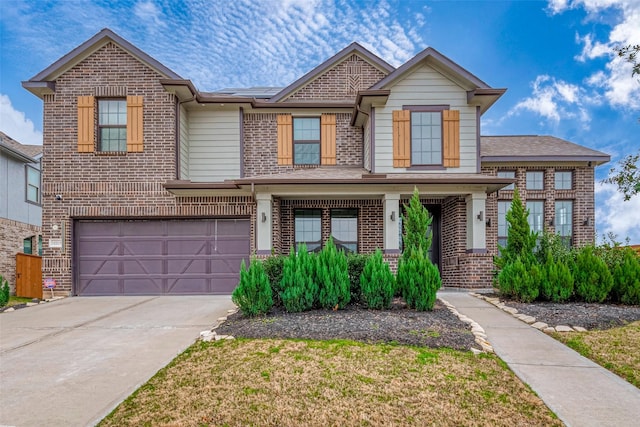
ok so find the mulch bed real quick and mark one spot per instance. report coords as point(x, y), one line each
point(587, 315)
point(437, 328)
point(401, 325)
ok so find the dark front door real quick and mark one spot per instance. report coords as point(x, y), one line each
point(159, 257)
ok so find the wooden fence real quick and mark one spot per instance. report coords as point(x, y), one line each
point(28, 276)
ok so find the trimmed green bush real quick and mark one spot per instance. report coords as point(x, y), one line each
point(593, 281)
point(519, 279)
point(253, 293)
point(298, 284)
point(420, 280)
point(333, 277)
point(377, 283)
point(4, 292)
point(520, 239)
point(415, 222)
point(355, 266)
point(273, 267)
point(556, 282)
point(626, 278)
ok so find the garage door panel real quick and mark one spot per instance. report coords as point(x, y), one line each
point(155, 257)
point(100, 286)
point(142, 286)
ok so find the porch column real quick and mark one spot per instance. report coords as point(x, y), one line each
point(476, 220)
point(391, 203)
point(263, 224)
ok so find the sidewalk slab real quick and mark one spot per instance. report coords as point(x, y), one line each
point(577, 390)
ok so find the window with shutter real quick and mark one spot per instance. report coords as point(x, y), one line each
point(285, 139)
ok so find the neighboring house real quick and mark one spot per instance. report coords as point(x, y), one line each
point(164, 189)
point(20, 203)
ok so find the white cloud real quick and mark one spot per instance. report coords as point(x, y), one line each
point(614, 215)
point(555, 100)
point(15, 124)
point(149, 13)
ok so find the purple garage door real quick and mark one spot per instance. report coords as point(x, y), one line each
point(160, 257)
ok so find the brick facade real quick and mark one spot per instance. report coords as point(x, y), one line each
point(12, 235)
point(342, 82)
point(581, 194)
point(261, 144)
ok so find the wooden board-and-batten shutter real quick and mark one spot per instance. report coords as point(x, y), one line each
point(401, 138)
point(86, 124)
point(135, 134)
point(328, 139)
point(451, 138)
point(285, 139)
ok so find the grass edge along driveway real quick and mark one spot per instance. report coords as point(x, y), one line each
point(269, 382)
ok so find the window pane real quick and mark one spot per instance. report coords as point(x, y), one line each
point(503, 208)
point(308, 228)
point(536, 215)
point(426, 138)
point(344, 229)
point(507, 174)
point(306, 154)
point(33, 185)
point(26, 246)
point(564, 180)
point(306, 129)
point(535, 180)
point(564, 219)
point(113, 139)
point(32, 194)
point(112, 112)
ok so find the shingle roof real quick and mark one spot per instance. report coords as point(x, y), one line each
point(509, 148)
point(30, 151)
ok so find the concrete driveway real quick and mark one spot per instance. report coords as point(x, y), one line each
point(70, 362)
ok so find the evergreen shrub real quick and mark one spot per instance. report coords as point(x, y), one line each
point(4, 292)
point(273, 267)
point(420, 280)
point(593, 280)
point(626, 278)
point(556, 282)
point(355, 266)
point(377, 283)
point(299, 285)
point(519, 279)
point(253, 293)
point(333, 277)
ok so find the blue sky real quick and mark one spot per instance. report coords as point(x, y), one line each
point(555, 57)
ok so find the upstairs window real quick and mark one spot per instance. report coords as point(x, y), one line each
point(306, 140)
point(535, 180)
point(564, 180)
point(33, 185)
point(426, 138)
point(112, 125)
point(507, 174)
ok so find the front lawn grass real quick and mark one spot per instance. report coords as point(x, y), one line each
point(266, 382)
point(615, 349)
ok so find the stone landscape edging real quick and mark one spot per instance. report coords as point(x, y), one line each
point(530, 320)
point(477, 330)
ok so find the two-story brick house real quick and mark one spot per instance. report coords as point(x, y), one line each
point(155, 187)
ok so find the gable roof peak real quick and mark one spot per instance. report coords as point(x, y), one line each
point(353, 47)
point(81, 52)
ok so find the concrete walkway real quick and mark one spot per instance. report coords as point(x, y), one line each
point(580, 392)
point(70, 362)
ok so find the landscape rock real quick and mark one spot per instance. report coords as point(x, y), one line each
point(540, 325)
point(564, 328)
point(549, 330)
point(511, 310)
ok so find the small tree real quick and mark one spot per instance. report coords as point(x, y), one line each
point(420, 280)
point(519, 278)
point(556, 283)
point(520, 240)
point(416, 221)
point(4, 292)
point(253, 293)
point(626, 278)
point(333, 277)
point(355, 266)
point(377, 282)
